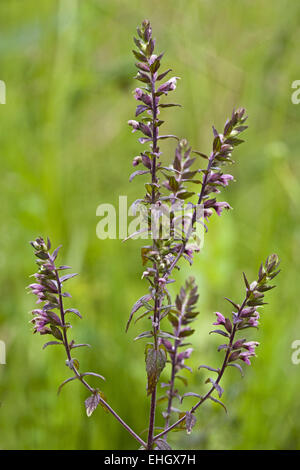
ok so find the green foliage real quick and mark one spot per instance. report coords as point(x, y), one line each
point(65, 149)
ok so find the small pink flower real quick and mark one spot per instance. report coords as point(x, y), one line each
point(250, 346)
point(220, 206)
point(134, 124)
point(225, 179)
point(168, 86)
point(244, 356)
point(220, 319)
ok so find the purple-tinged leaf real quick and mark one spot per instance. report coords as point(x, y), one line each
point(140, 109)
point(169, 105)
point(209, 368)
point(55, 252)
point(67, 276)
point(218, 401)
point(170, 136)
point(65, 382)
point(66, 294)
point(140, 56)
point(50, 343)
point(246, 281)
point(145, 334)
point(191, 394)
point(134, 234)
point(216, 386)
point(220, 332)
point(237, 306)
point(145, 129)
point(228, 325)
point(190, 421)
point(137, 173)
point(162, 445)
point(155, 363)
point(182, 379)
point(144, 140)
point(162, 75)
point(201, 154)
point(139, 303)
point(93, 374)
point(80, 345)
point(223, 346)
point(237, 366)
point(91, 403)
point(56, 332)
point(48, 244)
point(234, 355)
point(75, 311)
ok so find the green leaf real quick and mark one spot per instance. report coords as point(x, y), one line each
point(155, 363)
point(56, 332)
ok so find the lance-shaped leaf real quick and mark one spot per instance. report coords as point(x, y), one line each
point(139, 303)
point(65, 382)
point(137, 173)
point(155, 363)
point(218, 401)
point(92, 402)
point(50, 343)
point(237, 366)
point(216, 386)
point(93, 374)
point(67, 276)
point(191, 394)
point(190, 421)
point(74, 310)
point(203, 366)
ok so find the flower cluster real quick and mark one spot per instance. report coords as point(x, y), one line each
point(247, 315)
point(47, 288)
point(180, 316)
point(167, 189)
point(223, 145)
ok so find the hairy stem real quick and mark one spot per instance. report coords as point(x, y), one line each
point(77, 373)
point(157, 301)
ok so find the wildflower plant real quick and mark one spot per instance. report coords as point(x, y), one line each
point(170, 322)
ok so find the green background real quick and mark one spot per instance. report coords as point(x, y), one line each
point(66, 148)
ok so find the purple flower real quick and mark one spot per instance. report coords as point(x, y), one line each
point(253, 321)
point(250, 346)
point(225, 179)
point(141, 96)
point(220, 319)
point(134, 124)
point(220, 206)
point(244, 356)
point(168, 86)
point(167, 344)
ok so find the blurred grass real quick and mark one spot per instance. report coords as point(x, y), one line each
point(65, 148)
